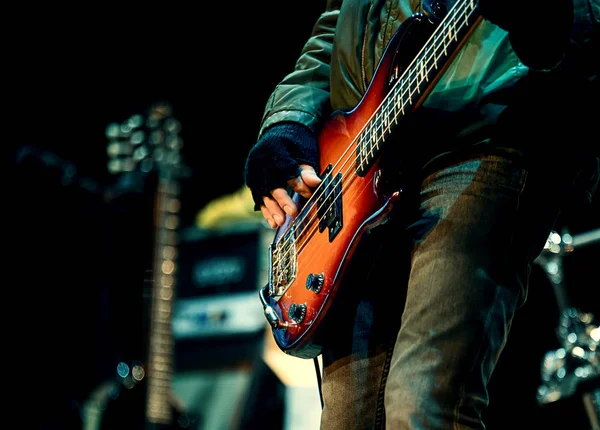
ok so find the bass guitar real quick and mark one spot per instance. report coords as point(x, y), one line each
point(311, 252)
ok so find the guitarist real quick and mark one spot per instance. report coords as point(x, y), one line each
point(426, 307)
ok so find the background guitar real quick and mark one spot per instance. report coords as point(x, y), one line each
point(140, 396)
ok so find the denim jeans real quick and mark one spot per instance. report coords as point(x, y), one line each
point(427, 310)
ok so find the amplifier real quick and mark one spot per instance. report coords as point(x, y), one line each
point(219, 275)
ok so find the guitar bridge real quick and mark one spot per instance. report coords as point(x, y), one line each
point(284, 264)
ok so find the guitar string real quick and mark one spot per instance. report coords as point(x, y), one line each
point(369, 125)
point(309, 207)
point(382, 115)
point(284, 248)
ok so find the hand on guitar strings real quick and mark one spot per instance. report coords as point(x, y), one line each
point(280, 201)
point(282, 160)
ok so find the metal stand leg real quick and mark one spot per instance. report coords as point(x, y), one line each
point(574, 368)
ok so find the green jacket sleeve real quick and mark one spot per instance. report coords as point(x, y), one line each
point(303, 95)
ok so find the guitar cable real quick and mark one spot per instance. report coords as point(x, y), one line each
point(318, 371)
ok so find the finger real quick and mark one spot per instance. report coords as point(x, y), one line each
point(305, 182)
point(309, 176)
point(299, 187)
point(284, 201)
point(274, 208)
point(266, 213)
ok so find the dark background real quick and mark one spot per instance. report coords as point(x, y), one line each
point(77, 256)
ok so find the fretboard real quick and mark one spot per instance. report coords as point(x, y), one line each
point(417, 80)
point(160, 356)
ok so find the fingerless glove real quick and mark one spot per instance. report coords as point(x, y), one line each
point(276, 157)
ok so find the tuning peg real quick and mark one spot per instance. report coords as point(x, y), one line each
point(157, 137)
point(113, 130)
point(116, 148)
point(118, 165)
point(113, 166)
point(174, 141)
point(146, 165)
point(160, 111)
point(134, 122)
point(137, 137)
point(173, 158)
point(172, 125)
point(140, 153)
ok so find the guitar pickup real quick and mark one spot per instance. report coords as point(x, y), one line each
point(330, 204)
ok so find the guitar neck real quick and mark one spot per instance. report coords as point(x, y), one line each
point(160, 354)
point(418, 79)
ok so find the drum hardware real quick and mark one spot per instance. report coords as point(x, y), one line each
point(574, 368)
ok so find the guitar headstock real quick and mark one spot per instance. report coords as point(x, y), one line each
point(149, 142)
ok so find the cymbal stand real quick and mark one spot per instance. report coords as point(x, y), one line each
point(574, 368)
